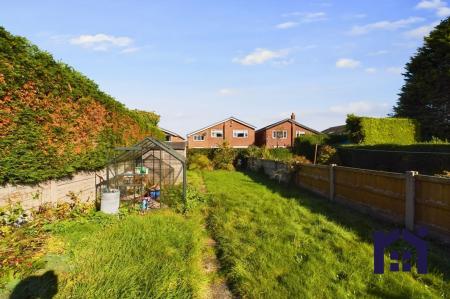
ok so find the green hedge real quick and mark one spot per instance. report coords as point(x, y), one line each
point(306, 145)
point(428, 159)
point(55, 121)
point(368, 130)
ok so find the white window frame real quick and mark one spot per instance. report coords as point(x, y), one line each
point(199, 137)
point(284, 133)
point(299, 133)
point(237, 132)
point(214, 133)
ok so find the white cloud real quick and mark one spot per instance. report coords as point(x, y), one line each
point(286, 25)
point(443, 12)
point(430, 4)
point(260, 56)
point(314, 17)
point(360, 107)
point(384, 25)
point(347, 63)
point(440, 7)
point(227, 92)
point(370, 70)
point(421, 31)
point(395, 70)
point(308, 17)
point(101, 42)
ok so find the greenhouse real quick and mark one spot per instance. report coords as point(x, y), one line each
point(145, 171)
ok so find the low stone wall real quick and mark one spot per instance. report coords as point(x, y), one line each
point(82, 184)
point(274, 169)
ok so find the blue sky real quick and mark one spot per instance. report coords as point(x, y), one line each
point(197, 62)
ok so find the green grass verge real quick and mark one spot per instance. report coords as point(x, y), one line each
point(157, 255)
point(278, 242)
point(152, 256)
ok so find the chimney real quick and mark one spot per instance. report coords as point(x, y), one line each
point(293, 116)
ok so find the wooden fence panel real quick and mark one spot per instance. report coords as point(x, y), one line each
point(315, 178)
point(433, 202)
point(381, 191)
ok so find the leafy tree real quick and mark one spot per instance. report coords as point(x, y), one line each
point(425, 96)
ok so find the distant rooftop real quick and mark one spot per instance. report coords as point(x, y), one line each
point(335, 130)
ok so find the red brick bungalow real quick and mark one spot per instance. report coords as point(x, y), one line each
point(282, 133)
point(237, 133)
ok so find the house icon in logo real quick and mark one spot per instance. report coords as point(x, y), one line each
point(383, 240)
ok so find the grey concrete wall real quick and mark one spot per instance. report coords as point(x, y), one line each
point(81, 184)
point(274, 169)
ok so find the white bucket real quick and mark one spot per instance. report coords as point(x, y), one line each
point(110, 201)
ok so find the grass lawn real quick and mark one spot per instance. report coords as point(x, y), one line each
point(278, 242)
point(157, 255)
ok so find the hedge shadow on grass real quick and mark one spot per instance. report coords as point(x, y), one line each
point(44, 286)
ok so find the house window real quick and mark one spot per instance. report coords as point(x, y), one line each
point(279, 134)
point(240, 133)
point(217, 133)
point(299, 133)
point(199, 137)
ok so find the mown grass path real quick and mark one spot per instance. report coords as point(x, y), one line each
point(278, 242)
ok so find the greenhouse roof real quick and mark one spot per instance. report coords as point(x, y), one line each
point(144, 146)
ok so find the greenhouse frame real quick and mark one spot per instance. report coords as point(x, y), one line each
point(148, 165)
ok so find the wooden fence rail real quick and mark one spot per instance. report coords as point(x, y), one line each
point(404, 198)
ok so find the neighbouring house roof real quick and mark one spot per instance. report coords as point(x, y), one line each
point(335, 130)
point(176, 145)
point(219, 122)
point(171, 133)
point(291, 121)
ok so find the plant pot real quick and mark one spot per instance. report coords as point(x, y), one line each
point(110, 201)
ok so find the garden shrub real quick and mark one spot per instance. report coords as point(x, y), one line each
point(279, 154)
point(327, 155)
point(254, 151)
point(296, 161)
point(199, 162)
point(54, 121)
point(224, 157)
point(173, 197)
point(369, 130)
point(208, 152)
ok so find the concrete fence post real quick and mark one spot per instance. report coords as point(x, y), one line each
point(331, 180)
point(410, 195)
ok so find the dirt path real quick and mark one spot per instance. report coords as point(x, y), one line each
point(217, 286)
